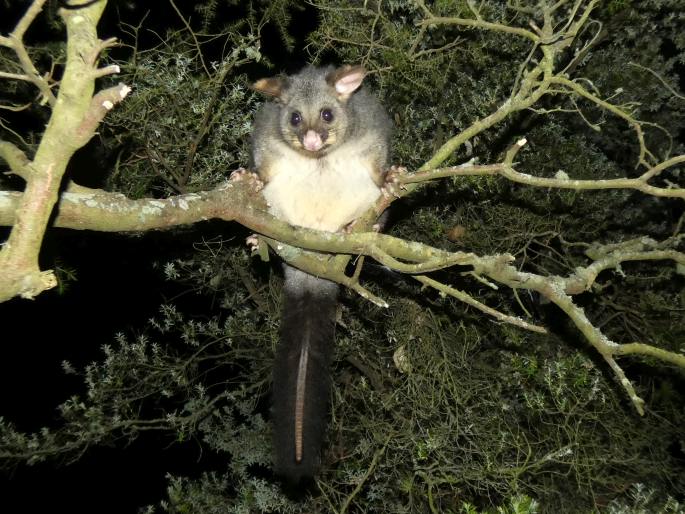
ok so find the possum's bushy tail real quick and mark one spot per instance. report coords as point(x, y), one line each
point(301, 377)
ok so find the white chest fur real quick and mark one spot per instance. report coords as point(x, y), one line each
point(324, 194)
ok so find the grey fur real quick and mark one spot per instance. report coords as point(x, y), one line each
point(322, 171)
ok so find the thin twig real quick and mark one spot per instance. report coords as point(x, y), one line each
point(372, 466)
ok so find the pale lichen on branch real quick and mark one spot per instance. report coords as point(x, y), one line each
point(73, 122)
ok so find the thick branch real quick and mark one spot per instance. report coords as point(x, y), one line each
point(239, 201)
point(62, 137)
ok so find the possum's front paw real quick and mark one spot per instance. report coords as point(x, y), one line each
point(392, 185)
point(252, 243)
point(241, 174)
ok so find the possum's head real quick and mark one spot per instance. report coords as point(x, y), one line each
point(314, 116)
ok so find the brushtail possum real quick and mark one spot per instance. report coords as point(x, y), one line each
point(321, 148)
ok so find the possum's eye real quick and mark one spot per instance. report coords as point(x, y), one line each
point(295, 119)
point(327, 115)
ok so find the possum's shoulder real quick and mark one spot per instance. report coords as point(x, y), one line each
point(369, 114)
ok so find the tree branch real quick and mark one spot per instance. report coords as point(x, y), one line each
point(506, 170)
point(71, 125)
point(15, 42)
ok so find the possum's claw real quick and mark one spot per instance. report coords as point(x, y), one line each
point(252, 242)
point(242, 174)
point(392, 184)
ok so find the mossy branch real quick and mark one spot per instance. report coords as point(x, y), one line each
point(240, 202)
point(75, 116)
point(507, 170)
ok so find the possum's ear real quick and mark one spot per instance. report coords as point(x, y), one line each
point(273, 86)
point(346, 80)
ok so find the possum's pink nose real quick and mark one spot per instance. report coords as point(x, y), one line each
point(312, 141)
